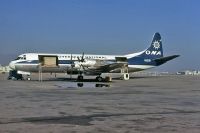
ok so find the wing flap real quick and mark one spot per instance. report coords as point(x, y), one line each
point(106, 68)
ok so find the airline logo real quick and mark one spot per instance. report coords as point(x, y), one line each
point(156, 45)
point(148, 52)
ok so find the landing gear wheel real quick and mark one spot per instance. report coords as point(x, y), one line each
point(99, 79)
point(80, 78)
point(126, 76)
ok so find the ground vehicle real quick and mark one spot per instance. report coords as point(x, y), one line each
point(14, 75)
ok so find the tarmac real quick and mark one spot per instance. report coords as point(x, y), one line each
point(157, 104)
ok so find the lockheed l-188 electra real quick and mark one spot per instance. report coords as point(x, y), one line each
point(86, 64)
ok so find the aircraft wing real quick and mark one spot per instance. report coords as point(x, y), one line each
point(106, 68)
point(109, 67)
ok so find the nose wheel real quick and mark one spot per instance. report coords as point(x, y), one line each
point(28, 78)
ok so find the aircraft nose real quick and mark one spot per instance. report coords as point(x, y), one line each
point(12, 65)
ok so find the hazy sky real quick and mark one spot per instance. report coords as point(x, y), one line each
point(101, 27)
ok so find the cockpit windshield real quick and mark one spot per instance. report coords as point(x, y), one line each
point(21, 57)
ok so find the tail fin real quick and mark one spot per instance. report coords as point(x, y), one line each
point(155, 50)
point(152, 56)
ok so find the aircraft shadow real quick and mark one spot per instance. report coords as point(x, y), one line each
point(84, 120)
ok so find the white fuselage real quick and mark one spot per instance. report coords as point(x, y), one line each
point(29, 62)
point(93, 64)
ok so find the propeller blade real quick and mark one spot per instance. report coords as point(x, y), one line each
point(79, 59)
point(82, 57)
point(71, 68)
point(83, 67)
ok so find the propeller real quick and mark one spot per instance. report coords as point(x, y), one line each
point(82, 58)
point(72, 65)
point(81, 61)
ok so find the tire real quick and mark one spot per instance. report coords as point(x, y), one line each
point(99, 79)
point(80, 78)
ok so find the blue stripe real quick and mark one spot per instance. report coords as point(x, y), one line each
point(131, 61)
point(141, 61)
point(59, 62)
point(37, 61)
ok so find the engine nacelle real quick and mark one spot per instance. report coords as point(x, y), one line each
point(86, 63)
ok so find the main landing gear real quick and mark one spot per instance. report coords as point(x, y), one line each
point(124, 73)
point(99, 79)
point(80, 78)
point(125, 76)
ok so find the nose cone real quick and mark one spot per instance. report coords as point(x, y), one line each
point(12, 65)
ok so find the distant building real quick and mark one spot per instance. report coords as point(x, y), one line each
point(180, 73)
point(1, 68)
point(196, 72)
point(189, 72)
point(150, 73)
point(4, 69)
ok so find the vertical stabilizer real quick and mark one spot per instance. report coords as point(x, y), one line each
point(155, 50)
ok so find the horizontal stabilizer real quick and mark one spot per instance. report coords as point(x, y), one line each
point(162, 60)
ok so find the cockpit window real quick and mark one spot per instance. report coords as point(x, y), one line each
point(24, 57)
point(19, 58)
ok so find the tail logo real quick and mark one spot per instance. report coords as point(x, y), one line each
point(153, 52)
point(156, 45)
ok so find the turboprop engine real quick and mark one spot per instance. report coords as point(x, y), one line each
point(85, 63)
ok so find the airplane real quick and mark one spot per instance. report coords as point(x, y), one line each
point(85, 64)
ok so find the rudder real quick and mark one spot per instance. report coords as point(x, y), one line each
point(155, 50)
